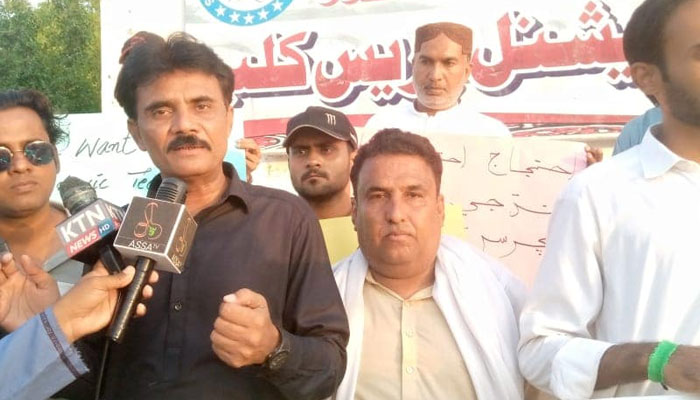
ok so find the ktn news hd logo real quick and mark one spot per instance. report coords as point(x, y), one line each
point(89, 226)
point(245, 12)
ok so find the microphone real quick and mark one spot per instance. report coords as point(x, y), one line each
point(158, 232)
point(4, 247)
point(90, 230)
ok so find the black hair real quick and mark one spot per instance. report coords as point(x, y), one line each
point(397, 142)
point(146, 57)
point(645, 34)
point(40, 104)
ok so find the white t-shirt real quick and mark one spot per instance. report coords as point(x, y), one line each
point(621, 265)
point(458, 120)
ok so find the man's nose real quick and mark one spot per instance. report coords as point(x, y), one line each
point(395, 210)
point(183, 122)
point(19, 162)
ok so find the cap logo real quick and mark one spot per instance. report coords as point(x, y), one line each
point(330, 119)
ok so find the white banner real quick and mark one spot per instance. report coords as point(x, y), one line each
point(542, 67)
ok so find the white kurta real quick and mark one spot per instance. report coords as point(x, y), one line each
point(621, 265)
point(461, 119)
point(480, 301)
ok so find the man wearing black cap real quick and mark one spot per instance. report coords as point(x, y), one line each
point(321, 145)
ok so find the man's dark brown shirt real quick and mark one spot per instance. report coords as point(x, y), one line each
point(258, 238)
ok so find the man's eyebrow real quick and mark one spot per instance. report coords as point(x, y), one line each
point(376, 189)
point(412, 188)
point(158, 104)
point(200, 99)
point(329, 142)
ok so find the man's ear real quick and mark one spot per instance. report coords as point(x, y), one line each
point(56, 160)
point(468, 68)
point(229, 120)
point(133, 127)
point(353, 215)
point(648, 78)
point(441, 209)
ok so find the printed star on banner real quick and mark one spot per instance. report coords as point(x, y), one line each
point(249, 19)
point(234, 16)
point(277, 5)
point(220, 11)
point(262, 14)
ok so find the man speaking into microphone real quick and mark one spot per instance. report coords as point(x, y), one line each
point(255, 313)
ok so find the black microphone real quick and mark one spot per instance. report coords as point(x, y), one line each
point(90, 230)
point(4, 247)
point(158, 232)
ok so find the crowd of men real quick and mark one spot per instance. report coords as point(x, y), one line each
point(411, 313)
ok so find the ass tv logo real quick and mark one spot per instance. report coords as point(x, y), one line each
point(245, 12)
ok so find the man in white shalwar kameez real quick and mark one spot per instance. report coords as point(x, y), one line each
point(430, 316)
point(614, 309)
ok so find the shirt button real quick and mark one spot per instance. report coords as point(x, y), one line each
point(409, 333)
point(409, 370)
point(177, 306)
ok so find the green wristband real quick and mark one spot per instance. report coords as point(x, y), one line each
point(658, 360)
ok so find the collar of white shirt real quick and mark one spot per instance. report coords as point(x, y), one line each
point(656, 158)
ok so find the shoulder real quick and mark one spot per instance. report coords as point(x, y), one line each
point(474, 258)
point(604, 180)
point(489, 125)
point(341, 268)
point(474, 264)
point(389, 117)
point(278, 200)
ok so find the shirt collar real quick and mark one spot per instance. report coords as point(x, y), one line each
point(236, 189)
point(425, 293)
point(458, 108)
point(656, 158)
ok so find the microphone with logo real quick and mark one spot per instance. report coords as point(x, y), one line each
point(158, 232)
point(90, 230)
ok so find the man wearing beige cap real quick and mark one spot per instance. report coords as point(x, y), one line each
point(441, 68)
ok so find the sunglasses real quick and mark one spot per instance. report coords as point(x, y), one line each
point(37, 153)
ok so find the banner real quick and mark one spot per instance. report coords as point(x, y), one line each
point(542, 67)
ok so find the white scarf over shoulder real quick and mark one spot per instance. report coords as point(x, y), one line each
point(480, 301)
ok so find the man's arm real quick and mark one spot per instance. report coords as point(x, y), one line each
point(629, 362)
point(557, 352)
point(313, 328)
point(314, 320)
point(38, 358)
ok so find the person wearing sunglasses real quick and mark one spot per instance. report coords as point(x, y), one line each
point(28, 167)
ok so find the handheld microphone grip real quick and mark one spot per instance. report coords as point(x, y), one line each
point(158, 233)
point(129, 302)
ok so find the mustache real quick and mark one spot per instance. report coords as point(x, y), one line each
point(187, 141)
point(316, 172)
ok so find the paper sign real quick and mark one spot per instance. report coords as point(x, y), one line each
point(507, 188)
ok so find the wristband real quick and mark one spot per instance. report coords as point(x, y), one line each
point(658, 360)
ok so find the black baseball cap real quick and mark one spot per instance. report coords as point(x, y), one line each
point(331, 122)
